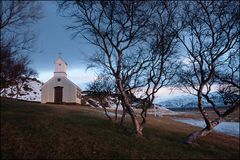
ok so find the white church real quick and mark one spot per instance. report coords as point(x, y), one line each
point(59, 89)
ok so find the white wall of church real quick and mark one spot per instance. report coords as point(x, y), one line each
point(69, 90)
point(70, 93)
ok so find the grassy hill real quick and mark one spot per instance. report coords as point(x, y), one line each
point(32, 130)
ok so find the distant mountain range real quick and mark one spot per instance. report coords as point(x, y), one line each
point(187, 101)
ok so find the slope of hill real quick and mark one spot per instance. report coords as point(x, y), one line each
point(30, 91)
point(40, 131)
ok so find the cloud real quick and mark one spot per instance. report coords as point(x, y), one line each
point(44, 76)
point(80, 76)
point(76, 75)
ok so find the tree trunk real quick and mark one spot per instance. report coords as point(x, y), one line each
point(19, 87)
point(129, 109)
point(116, 109)
point(17, 91)
point(12, 93)
point(203, 112)
point(137, 128)
point(123, 116)
point(105, 110)
point(204, 132)
point(146, 104)
point(124, 96)
point(195, 135)
point(209, 125)
point(213, 105)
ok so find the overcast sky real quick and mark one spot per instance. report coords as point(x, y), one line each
point(53, 38)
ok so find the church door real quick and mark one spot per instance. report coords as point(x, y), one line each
point(58, 94)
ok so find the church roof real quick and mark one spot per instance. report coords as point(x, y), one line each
point(61, 59)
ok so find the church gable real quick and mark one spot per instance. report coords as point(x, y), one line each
point(59, 89)
point(59, 81)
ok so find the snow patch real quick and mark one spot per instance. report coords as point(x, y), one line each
point(161, 111)
point(113, 114)
point(31, 91)
point(93, 103)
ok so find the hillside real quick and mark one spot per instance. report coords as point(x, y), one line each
point(30, 91)
point(33, 130)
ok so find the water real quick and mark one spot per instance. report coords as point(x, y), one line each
point(229, 128)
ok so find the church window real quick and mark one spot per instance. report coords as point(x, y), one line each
point(59, 79)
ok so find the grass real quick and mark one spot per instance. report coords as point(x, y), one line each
point(31, 130)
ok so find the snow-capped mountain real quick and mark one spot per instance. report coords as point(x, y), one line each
point(188, 101)
point(30, 90)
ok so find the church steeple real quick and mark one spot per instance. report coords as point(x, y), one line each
point(60, 67)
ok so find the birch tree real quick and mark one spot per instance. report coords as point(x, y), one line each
point(163, 53)
point(137, 44)
point(211, 36)
point(115, 28)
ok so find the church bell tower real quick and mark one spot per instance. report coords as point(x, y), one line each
point(60, 67)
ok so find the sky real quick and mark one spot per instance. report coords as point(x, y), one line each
point(53, 38)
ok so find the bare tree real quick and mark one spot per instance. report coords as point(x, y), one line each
point(17, 39)
point(162, 54)
point(210, 38)
point(16, 18)
point(102, 88)
point(115, 28)
point(15, 71)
